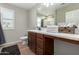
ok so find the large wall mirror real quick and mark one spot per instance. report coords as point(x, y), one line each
point(45, 16)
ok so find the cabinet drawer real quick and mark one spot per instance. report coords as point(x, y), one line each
point(40, 35)
point(39, 51)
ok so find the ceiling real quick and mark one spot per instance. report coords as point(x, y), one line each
point(24, 5)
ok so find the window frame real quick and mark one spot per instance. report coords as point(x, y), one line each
point(13, 20)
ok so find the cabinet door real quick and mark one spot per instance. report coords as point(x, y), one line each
point(32, 41)
point(48, 45)
point(40, 44)
point(39, 51)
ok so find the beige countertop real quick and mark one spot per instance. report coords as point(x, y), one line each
point(61, 35)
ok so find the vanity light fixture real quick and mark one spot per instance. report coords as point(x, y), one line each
point(47, 4)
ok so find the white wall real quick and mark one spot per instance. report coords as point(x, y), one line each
point(32, 19)
point(21, 24)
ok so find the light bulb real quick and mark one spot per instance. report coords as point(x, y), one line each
point(47, 4)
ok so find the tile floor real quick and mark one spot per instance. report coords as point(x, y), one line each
point(24, 49)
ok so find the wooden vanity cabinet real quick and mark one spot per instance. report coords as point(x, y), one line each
point(45, 45)
point(41, 44)
point(49, 45)
point(32, 41)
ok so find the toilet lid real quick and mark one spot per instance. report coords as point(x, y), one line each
point(24, 37)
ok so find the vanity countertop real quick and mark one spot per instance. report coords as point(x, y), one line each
point(61, 35)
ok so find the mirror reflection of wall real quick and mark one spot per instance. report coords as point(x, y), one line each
point(45, 21)
point(72, 17)
point(49, 21)
point(68, 14)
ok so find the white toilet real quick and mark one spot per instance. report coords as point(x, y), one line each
point(24, 40)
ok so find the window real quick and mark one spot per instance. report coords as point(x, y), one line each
point(7, 18)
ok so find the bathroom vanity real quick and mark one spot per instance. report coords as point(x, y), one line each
point(42, 42)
